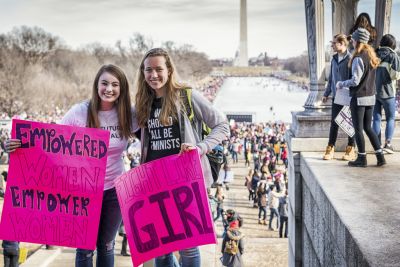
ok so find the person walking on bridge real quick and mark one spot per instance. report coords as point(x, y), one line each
point(362, 90)
point(387, 74)
point(339, 72)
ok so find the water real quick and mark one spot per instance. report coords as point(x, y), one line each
point(266, 98)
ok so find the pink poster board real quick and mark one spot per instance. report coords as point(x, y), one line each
point(55, 185)
point(165, 207)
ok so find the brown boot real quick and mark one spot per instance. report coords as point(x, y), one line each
point(350, 154)
point(330, 150)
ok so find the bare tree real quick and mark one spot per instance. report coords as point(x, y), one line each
point(39, 74)
point(32, 43)
point(102, 53)
point(298, 65)
point(140, 44)
point(12, 81)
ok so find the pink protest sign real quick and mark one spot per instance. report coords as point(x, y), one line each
point(165, 207)
point(55, 185)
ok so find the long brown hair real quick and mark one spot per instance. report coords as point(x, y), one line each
point(361, 47)
point(123, 103)
point(364, 21)
point(145, 94)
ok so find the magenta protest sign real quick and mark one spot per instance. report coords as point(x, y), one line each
point(55, 185)
point(165, 207)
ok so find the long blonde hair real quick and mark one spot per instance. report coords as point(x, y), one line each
point(123, 103)
point(145, 94)
point(361, 47)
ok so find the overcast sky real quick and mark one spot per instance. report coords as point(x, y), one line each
point(211, 26)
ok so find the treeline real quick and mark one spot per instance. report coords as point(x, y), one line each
point(38, 72)
point(297, 65)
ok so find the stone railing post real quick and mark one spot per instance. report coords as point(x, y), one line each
point(316, 56)
point(383, 10)
point(343, 15)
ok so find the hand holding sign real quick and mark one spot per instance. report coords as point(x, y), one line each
point(55, 186)
point(12, 144)
point(165, 207)
point(185, 147)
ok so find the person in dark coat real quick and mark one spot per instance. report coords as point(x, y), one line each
point(387, 73)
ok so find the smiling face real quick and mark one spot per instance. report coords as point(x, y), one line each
point(156, 74)
point(108, 89)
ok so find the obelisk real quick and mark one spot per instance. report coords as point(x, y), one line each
point(243, 58)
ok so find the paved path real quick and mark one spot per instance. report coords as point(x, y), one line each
point(262, 247)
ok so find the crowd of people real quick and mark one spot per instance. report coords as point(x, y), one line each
point(210, 87)
point(264, 152)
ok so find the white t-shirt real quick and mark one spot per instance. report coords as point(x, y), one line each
point(77, 116)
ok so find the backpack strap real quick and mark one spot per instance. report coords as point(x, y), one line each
point(234, 237)
point(186, 100)
point(186, 95)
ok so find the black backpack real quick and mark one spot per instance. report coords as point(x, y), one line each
point(216, 157)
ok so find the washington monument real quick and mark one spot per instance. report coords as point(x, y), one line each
point(242, 59)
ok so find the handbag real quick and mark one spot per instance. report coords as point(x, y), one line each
point(342, 97)
point(216, 158)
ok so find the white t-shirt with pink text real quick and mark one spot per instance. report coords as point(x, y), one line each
point(77, 116)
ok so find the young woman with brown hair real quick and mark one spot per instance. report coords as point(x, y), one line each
point(108, 108)
point(167, 129)
point(362, 90)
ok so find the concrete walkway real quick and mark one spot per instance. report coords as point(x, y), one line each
point(262, 247)
point(351, 216)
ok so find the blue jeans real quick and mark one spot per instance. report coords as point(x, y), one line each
point(190, 257)
point(389, 105)
point(219, 213)
point(275, 212)
point(234, 156)
point(284, 220)
point(262, 210)
point(110, 219)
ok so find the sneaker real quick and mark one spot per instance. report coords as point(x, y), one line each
point(330, 150)
point(388, 148)
point(350, 154)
